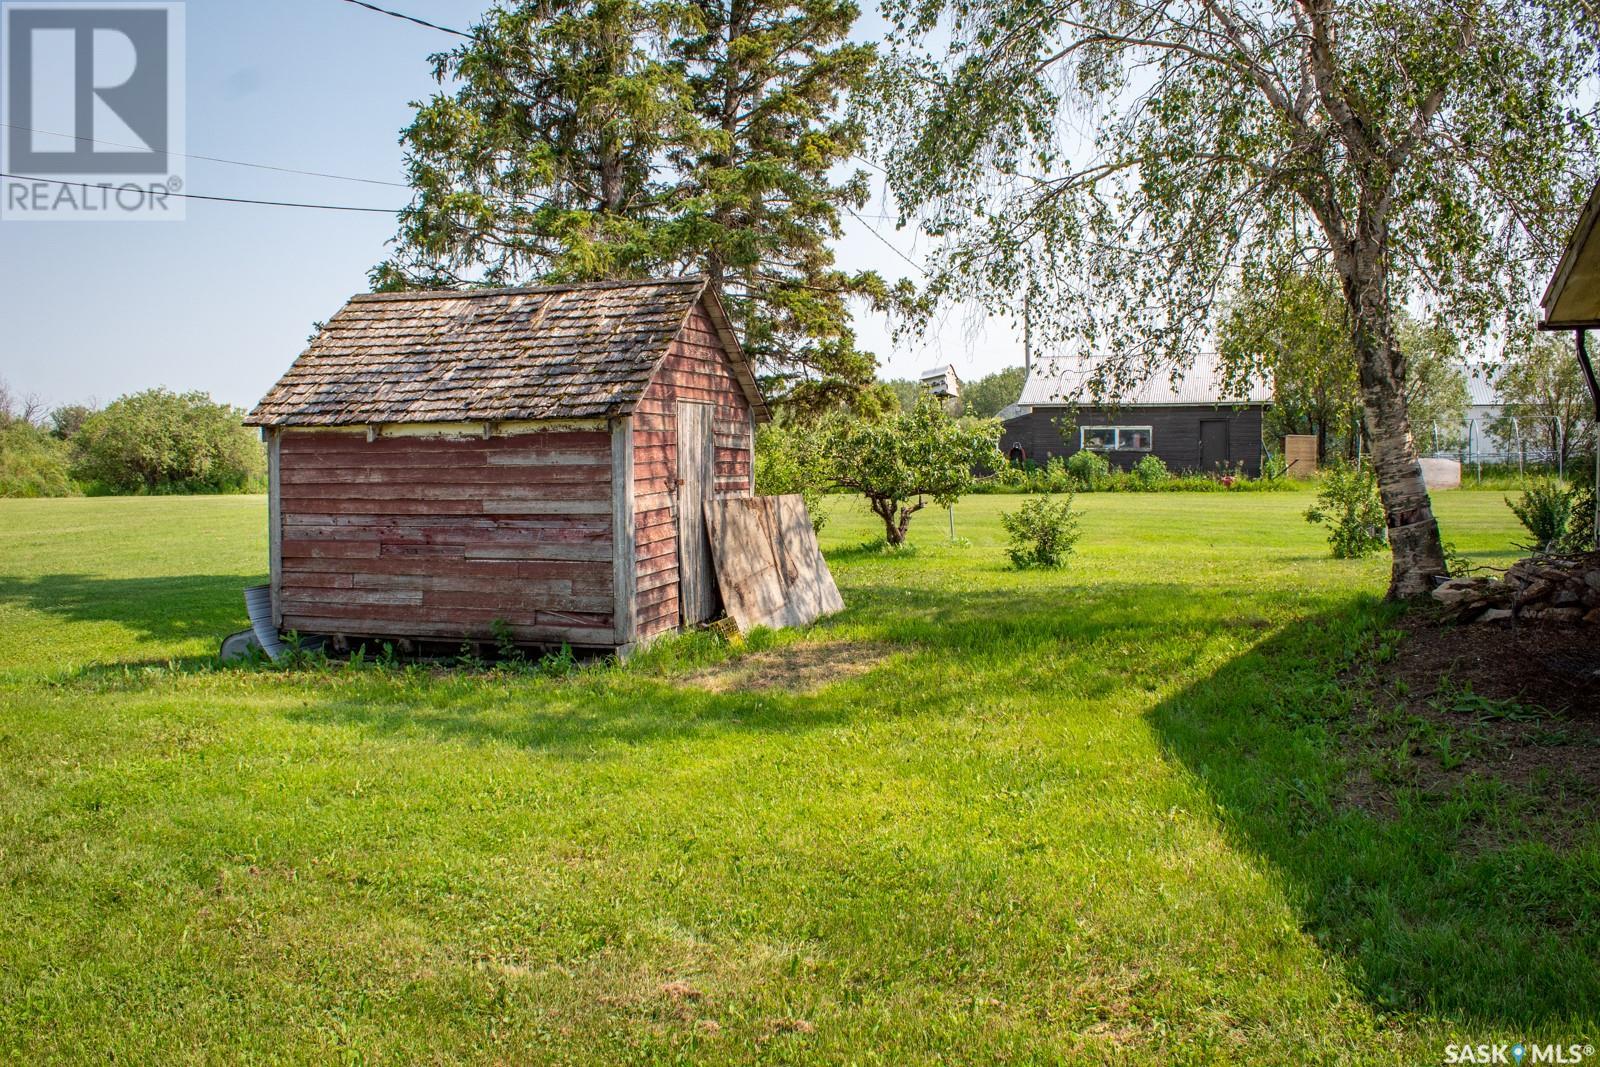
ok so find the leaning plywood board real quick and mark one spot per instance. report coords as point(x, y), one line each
point(769, 568)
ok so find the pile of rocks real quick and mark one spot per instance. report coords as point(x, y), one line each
point(1561, 589)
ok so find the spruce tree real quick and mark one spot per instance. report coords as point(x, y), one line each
point(629, 138)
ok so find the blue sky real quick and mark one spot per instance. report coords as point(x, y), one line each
point(224, 300)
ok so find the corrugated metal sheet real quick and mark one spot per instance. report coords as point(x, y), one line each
point(1071, 382)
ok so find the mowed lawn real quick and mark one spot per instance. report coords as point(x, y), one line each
point(983, 816)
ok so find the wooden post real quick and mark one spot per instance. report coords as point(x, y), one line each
point(275, 523)
point(624, 562)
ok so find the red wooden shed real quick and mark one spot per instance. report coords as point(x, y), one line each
point(443, 465)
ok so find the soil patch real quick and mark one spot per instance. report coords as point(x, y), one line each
point(797, 668)
point(1518, 703)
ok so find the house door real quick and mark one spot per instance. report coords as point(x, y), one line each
point(697, 482)
point(1213, 444)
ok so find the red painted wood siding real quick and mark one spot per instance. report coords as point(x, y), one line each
point(438, 537)
point(696, 368)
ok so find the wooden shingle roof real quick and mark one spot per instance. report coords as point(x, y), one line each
point(470, 355)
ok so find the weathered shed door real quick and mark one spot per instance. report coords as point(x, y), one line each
point(697, 482)
point(1213, 444)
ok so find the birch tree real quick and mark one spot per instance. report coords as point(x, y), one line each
point(1126, 160)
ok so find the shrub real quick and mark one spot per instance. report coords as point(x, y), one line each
point(159, 441)
point(32, 463)
point(1580, 530)
point(1560, 518)
point(1042, 533)
point(1089, 469)
point(1057, 478)
point(1348, 504)
point(1151, 471)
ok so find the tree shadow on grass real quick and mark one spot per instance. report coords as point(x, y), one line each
point(942, 656)
point(168, 608)
point(1449, 905)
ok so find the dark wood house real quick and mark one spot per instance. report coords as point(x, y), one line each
point(1192, 424)
point(446, 465)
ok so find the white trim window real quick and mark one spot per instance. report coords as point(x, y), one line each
point(1116, 438)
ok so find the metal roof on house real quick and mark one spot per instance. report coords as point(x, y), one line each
point(541, 352)
point(1069, 382)
point(1481, 391)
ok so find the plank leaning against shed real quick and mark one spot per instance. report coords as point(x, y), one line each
point(535, 460)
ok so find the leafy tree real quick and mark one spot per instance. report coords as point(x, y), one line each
point(897, 461)
point(1543, 388)
point(1289, 330)
point(1390, 144)
point(905, 392)
point(1436, 382)
point(626, 138)
point(985, 397)
point(159, 441)
point(789, 459)
point(68, 419)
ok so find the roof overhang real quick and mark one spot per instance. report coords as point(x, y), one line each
point(1572, 301)
point(742, 367)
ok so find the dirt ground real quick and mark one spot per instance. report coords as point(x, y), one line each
point(1519, 703)
point(798, 668)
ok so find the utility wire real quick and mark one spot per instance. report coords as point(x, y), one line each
point(212, 159)
point(216, 199)
point(408, 18)
point(888, 243)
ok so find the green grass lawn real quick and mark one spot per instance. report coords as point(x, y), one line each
point(991, 817)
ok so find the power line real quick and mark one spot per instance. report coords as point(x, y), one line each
point(408, 18)
point(213, 159)
point(887, 243)
point(216, 199)
point(863, 159)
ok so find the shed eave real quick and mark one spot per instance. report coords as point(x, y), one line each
point(418, 427)
point(1572, 299)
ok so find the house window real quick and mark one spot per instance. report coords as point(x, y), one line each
point(1115, 438)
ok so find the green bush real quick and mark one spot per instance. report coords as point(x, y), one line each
point(1560, 518)
point(789, 459)
point(159, 441)
point(32, 463)
point(1151, 471)
point(1580, 531)
point(1348, 504)
point(1043, 532)
point(1089, 469)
